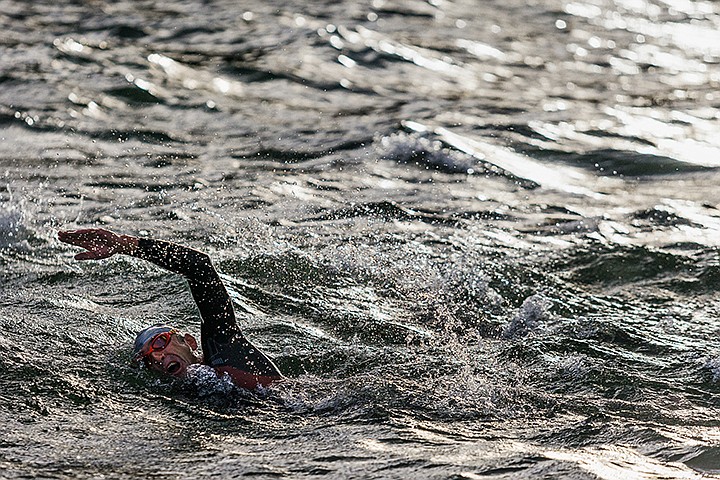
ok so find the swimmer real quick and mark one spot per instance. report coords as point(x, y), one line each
point(166, 350)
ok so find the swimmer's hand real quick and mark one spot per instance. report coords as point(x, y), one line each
point(98, 242)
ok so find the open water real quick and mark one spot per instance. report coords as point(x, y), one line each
point(479, 237)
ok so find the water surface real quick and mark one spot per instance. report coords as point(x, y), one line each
point(479, 238)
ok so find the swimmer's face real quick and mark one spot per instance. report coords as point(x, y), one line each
point(174, 359)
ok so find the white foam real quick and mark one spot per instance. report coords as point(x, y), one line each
point(713, 364)
point(207, 381)
point(531, 316)
point(413, 148)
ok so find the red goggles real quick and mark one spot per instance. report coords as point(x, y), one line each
point(156, 344)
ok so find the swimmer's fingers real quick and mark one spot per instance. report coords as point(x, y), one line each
point(86, 238)
point(68, 236)
point(98, 242)
point(91, 239)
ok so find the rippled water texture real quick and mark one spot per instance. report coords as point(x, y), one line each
point(479, 238)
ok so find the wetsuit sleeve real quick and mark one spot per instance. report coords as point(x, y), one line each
point(208, 291)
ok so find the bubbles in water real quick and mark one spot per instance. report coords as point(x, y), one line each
point(532, 315)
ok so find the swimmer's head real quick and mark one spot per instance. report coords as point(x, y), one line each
point(145, 335)
point(165, 350)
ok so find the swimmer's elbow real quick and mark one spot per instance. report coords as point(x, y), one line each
point(206, 266)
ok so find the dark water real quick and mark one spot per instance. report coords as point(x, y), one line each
point(480, 238)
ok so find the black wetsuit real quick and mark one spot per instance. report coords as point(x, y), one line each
point(224, 346)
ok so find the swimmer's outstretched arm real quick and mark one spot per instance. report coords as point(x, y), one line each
point(223, 344)
point(208, 291)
